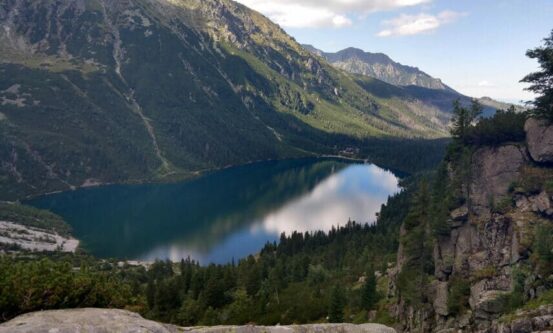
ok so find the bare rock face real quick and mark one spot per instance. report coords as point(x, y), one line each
point(494, 170)
point(440, 298)
point(539, 137)
point(121, 321)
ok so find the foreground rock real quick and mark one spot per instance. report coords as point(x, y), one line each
point(121, 321)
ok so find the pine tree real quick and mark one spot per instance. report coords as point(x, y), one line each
point(541, 82)
point(464, 118)
point(150, 294)
point(417, 248)
point(369, 296)
point(336, 306)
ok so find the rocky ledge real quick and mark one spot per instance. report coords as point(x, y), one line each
point(121, 321)
point(539, 320)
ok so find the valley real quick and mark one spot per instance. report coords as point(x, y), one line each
point(189, 166)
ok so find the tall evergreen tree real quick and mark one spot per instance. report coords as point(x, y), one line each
point(336, 306)
point(369, 296)
point(464, 117)
point(417, 247)
point(541, 82)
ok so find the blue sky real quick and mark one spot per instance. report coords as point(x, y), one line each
point(475, 46)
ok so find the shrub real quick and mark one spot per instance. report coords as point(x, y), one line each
point(543, 248)
point(485, 273)
point(534, 180)
point(459, 292)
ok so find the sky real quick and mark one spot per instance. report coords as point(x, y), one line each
point(475, 46)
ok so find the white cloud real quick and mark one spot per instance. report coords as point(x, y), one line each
point(322, 13)
point(485, 83)
point(406, 25)
point(504, 90)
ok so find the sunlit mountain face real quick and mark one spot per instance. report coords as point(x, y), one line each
point(224, 215)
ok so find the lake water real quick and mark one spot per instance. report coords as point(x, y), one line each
point(223, 215)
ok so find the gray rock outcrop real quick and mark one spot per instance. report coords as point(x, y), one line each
point(538, 320)
point(539, 137)
point(493, 171)
point(121, 321)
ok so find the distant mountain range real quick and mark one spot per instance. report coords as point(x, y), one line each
point(379, 66)
point(382, 67)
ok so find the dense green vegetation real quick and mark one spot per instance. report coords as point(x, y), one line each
point(505, 126)
point(40, 284)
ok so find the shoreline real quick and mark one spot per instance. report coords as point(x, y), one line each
point(184, 176)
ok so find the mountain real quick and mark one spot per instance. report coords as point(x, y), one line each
point(379, 66)
point(105, 91)
point(492, 103)
point(416, 83)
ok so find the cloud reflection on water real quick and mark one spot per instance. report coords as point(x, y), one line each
point(356, 192)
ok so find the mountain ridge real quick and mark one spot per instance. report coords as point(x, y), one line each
point(379, 66)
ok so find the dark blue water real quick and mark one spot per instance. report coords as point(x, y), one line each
point(223, 215)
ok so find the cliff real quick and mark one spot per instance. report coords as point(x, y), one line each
point(486, 263)
point(102, 321)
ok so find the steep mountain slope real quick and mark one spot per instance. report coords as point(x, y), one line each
point(96, 91)
point(379, 66)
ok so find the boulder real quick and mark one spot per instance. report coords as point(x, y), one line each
point(121, 321)
point(488, 304)
point(523, 325)
point(539, 138)
point(83, 320)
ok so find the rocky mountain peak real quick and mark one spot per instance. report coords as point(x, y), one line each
point(379, 66)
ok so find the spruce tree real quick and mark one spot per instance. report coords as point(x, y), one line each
point(336, 306)
point(464, 118)
point(369, 295)
point(541, 82)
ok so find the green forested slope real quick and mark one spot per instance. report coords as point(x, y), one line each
point(97, 91)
